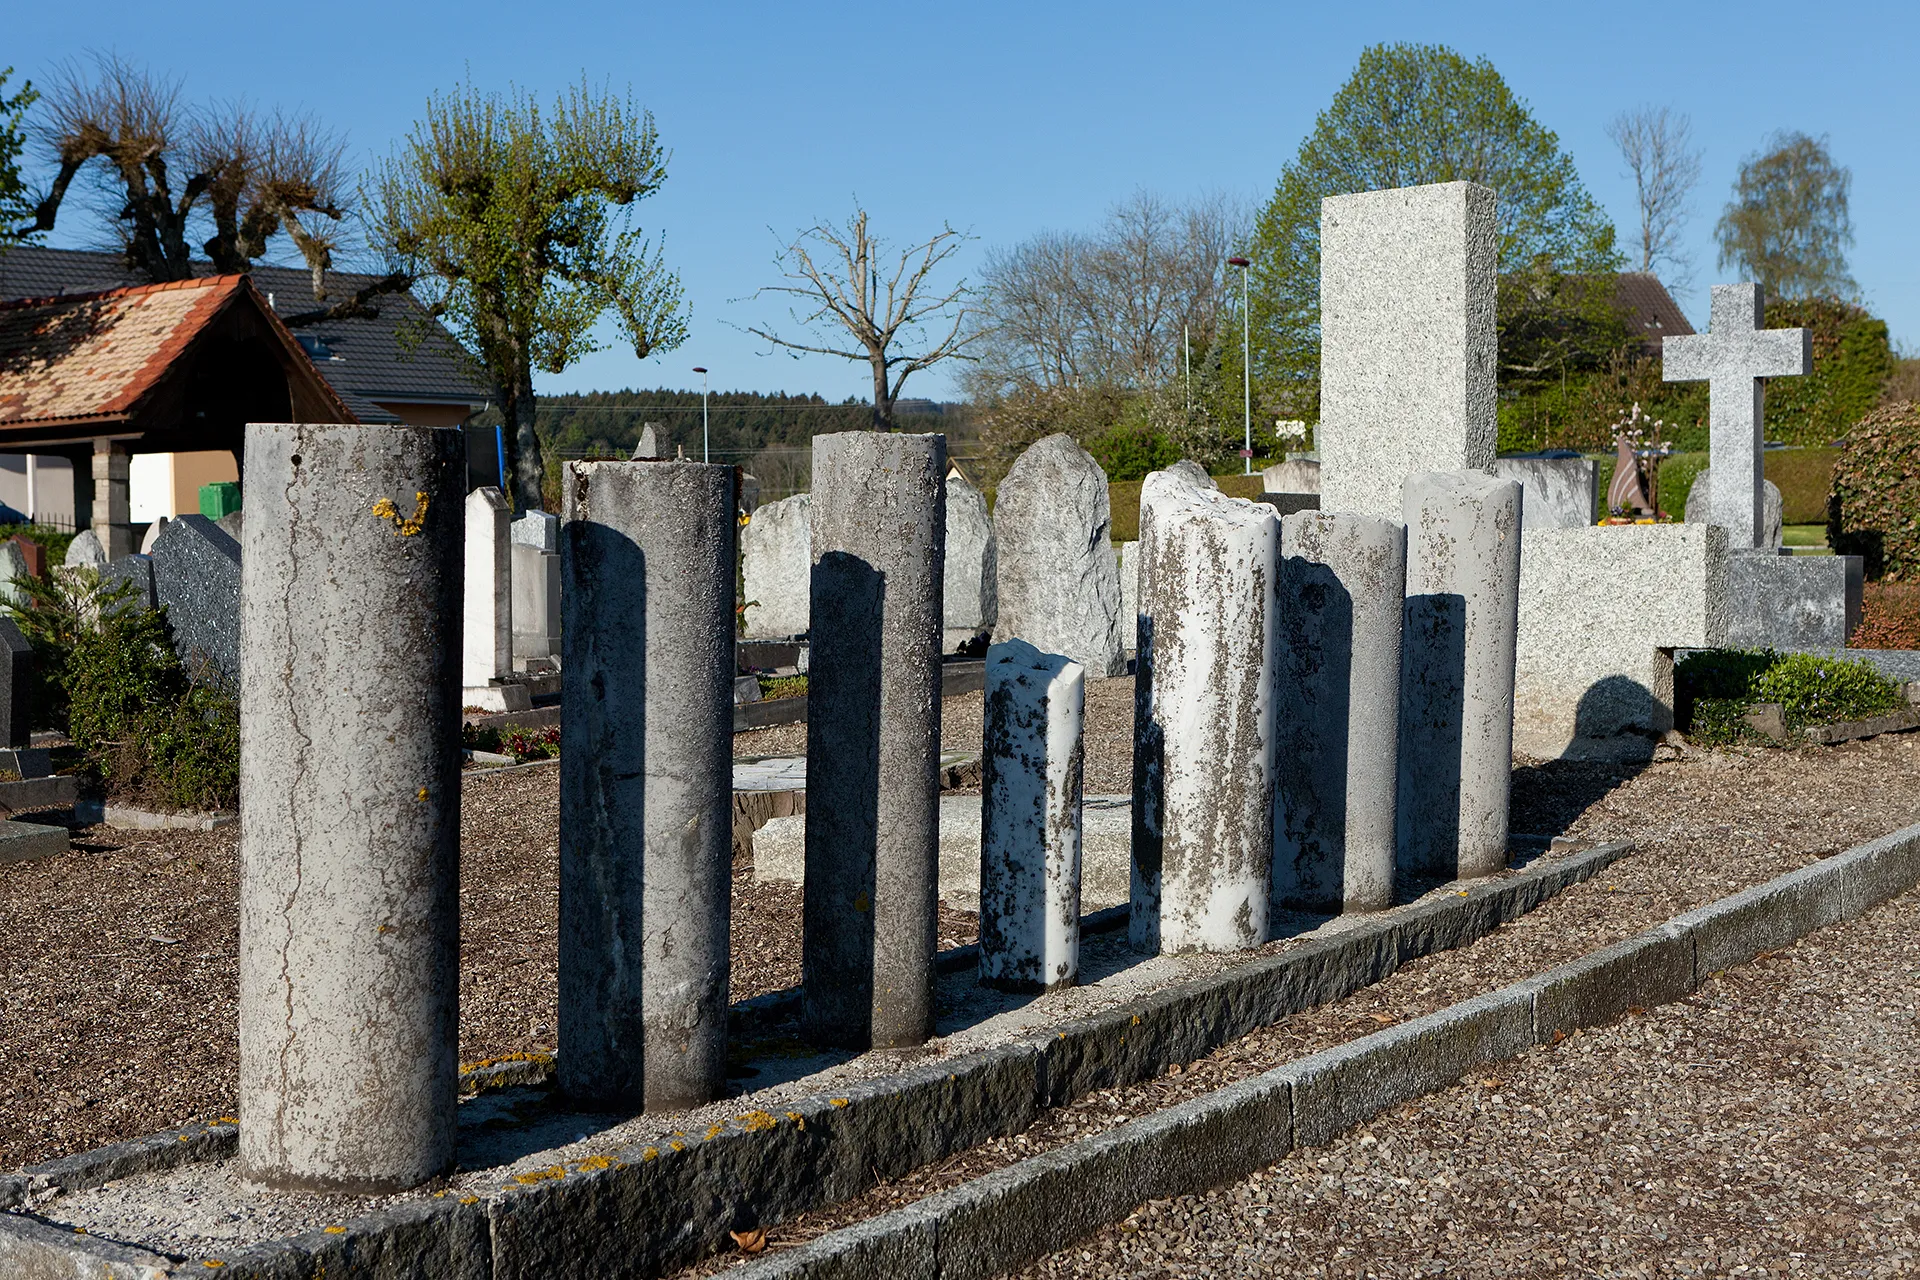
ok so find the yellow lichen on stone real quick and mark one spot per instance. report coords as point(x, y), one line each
point(799, 1120)
point(335, 1231)
point(594, 1164)
point(715, 1132)
point(651, 1153)
point(469, 1199)
point(405, 526)
point(228, 1120)
point(534, 1176)
point(755, 1121)
point(213, 1262)
point(678, 1146)
point(839, 1102)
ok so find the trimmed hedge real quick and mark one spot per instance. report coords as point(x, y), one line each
point(1123, 496)
point(1874, 509)
point(1803, 477)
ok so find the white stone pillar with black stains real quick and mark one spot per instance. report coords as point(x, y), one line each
point(873, 738)
point(646, 782)
point(1030, 819)
point(1203, 798)
point(1456, 717)
point(350, 821)
point(1342, 579)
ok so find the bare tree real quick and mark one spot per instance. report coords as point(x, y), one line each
point(1656, 144)
point(163, 172)
point(837, 270)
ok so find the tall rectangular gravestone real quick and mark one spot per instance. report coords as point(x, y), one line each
point(196, 578)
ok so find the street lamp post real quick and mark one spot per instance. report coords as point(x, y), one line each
point(703, 413)
point(1246, 361)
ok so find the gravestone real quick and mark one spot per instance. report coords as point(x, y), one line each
point(1295, 475)
point(14, 574)
point(349, 968)
point(34, 554)
point(646, 797)
point(85, 551)
point(137, 572)
point(535, 556)
point(196, 579)
point(1059, 586)
point(16, 688)
point(1204, 720)
point(873, 738)
point(152, 535)
point(1342, 579)
point(1030, 819)
point(1128, 556)
point(1555, 493)
point(1407, 341)
point(775, 555)
point(1700, 509)
point(971, 593)
point(487, 636)
point(1193, 473)
point(1733, 357)
point(649, 445)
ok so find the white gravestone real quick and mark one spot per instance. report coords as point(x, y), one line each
point(1030, 819)
point(1732, 357)
point(971, 599)
point(776, 564)
point(536, 587)
point(1407, 342)
point(1556, 493)
point(486, 653)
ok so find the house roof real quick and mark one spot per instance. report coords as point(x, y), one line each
point(1648, 308)
point(101, 356)
point(402, 354)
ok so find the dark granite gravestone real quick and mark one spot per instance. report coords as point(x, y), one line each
point(196, 578)
point(136, 571)
point(16, 686)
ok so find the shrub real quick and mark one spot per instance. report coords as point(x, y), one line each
point(1128, 450)
point(1889, 617)
point(1874, 509)
point(1713, 690)
point(522, 742)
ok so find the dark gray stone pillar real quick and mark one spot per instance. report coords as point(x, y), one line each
point(646, 782)
point(873, 738)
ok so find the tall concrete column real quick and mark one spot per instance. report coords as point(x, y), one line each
point(1456, 726)
point(646, 781)
point(1342, 579)
point(873, 738)
point(112, 501)
point(487, 646)
point(1203, 721)
point(1030, 819)
point(350, 814)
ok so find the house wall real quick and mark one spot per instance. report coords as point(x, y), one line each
point(39, 487)
point(168, 484)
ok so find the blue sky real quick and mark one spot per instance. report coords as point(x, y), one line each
point(1006, 119)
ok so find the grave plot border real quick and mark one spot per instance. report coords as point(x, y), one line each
point(648, 1210)
point(1019, 1214)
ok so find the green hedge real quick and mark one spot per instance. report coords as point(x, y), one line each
point(1123, 496)
point(1874, 511)
point(1803, 477)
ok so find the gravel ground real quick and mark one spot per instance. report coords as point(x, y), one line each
point(1764, 1126)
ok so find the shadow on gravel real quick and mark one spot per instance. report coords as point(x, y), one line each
point(1550, 795)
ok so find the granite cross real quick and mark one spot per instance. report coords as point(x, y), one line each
point(1732, 357)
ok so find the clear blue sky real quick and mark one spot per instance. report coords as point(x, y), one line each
point(1009, 118)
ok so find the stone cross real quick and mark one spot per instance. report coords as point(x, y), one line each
point(1731, 358)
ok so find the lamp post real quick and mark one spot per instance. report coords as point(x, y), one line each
point(1246, 360)
point(703, 413)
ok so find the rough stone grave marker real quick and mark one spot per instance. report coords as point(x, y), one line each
point(85, 550)
point(1059, 584)
point(971, 591)
point(774, 568)
point(1555, 493)
point(196, 578)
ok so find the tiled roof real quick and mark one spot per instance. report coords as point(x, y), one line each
point(95, 355)
point(1650, 310)
point(403, 354)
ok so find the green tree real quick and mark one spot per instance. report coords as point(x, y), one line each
point(1787, 225)
point(517, 225)
point(1410, 115)
point(15, 205)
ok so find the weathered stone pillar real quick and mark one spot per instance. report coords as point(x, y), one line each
point(112, 499)
point(1058, 583)
point(487, 646)
point(350, 824)
point(873, 738)
point(1456, 726)
point(1342, 579)
point(1030, 819)
point(646, 794)
point(1203, 720)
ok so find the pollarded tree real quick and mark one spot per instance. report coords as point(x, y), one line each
point(1409, 115)
point(1787, 225)
point(517, 224)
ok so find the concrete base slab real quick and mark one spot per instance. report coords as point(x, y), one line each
point(39, 793)
point(126, 818)
point(30, 841)
point(497, 697)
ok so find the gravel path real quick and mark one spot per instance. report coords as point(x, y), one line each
point(1766, 1125)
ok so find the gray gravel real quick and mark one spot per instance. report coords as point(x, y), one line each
point(1765, 1125)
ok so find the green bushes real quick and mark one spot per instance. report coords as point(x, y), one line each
point(1714, 690)
point(111, 681)
point(1874, 510)
point(523, 743)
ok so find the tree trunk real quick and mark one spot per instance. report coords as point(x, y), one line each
point(882, 406)
point(526, 469)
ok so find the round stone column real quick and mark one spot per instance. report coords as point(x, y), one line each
point(646, 781)
point(350, 805)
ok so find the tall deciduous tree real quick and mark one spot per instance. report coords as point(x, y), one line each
point(14, 202)
point(1787, 225)
point(1657, 145)
point(836, 275)
point(517, 224)
point(1414, 114)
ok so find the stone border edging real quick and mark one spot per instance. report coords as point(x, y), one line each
point(1014, 1216)
point(648, 1210)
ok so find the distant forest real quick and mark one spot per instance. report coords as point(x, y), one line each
point(742, 422)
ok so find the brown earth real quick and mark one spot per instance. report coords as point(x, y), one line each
point(1889, 616)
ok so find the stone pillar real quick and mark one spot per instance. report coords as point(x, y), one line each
point(1456, 702)
point(112, 503)
point(1059, 586)
point(487, 647)
point(1030, 819)
point(1342, 579)
point(350, 830)
point(873, 738)
point(972, 601)
point(1203, 721)
point(646, 794)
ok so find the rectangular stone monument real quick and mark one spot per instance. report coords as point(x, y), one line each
point(486, 652)
point(1556, 493)
point(16, 687)
point(1407, 341)
point(774, 569)
point(1792, 602)
point(535, 556)
point(196, 578)
point(137, 573)
point(1601, 612)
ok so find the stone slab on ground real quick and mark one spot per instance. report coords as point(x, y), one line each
point(124, 817)
point(1847, 731)
point(30, 841)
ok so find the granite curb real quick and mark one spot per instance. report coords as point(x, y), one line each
point(1015, 1215)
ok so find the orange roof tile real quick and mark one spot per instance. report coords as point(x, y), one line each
point(94, 355)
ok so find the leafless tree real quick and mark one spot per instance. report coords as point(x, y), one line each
point(1113, 307)
point(163, 172)
point(1657, 145)
point(837, 278)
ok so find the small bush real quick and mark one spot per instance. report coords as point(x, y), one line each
point(783, 686)
point(1713, 690)
point(1127, 451)
point(522, 742)
point(1889, 617)
point(1874, 510)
